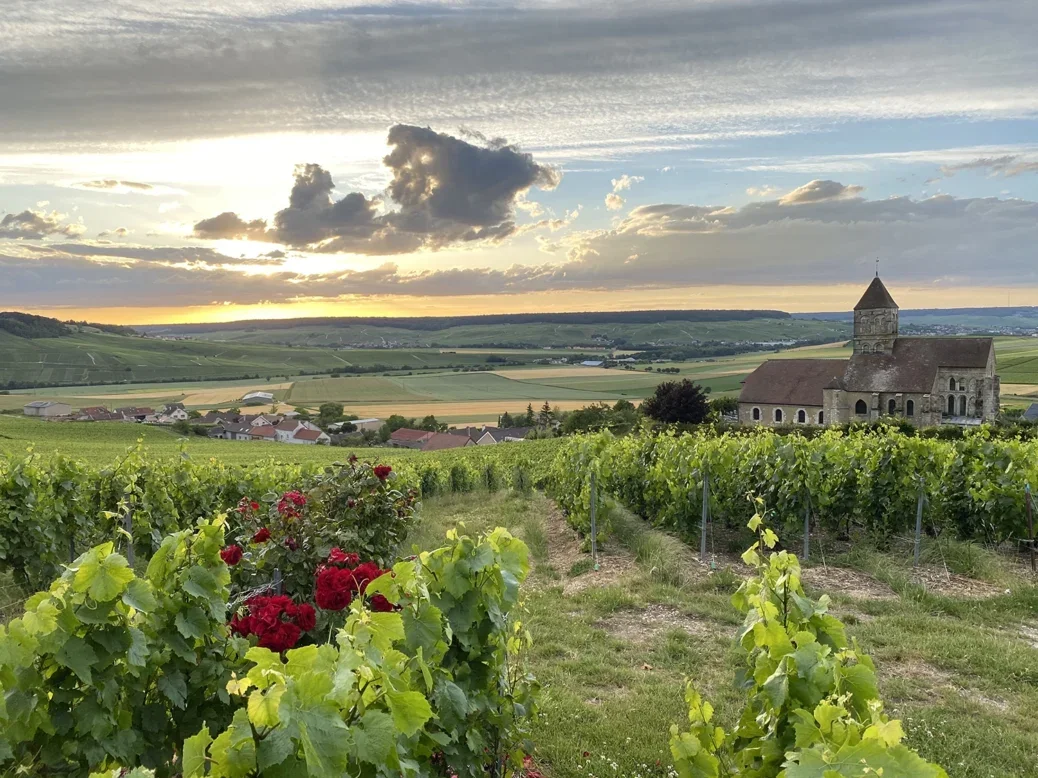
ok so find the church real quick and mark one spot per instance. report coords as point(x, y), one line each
point(925, 381)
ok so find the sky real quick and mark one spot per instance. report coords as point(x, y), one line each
point(181, 162)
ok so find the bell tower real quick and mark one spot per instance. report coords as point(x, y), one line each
point(875, 320)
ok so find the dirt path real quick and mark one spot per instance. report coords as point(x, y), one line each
point(565, 549)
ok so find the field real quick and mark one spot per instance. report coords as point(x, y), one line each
point(958, 666)
point(523, 334)
point(480, 397)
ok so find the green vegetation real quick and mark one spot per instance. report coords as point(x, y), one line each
point(613, 649)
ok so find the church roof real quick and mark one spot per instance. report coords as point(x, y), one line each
point(791, 381)
point(913, 363)
point(876, 296)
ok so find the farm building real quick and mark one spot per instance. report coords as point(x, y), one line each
point(46, 408)
point(257, 398)
point(438, 441)
point(309, 437)
point(408, 438)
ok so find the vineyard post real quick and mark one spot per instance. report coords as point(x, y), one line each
point(128, 526)
point(1030, 522)
point(807, 531)
point(705, 517)
point(918, 524)
point(71, 549)
point(276, 583)
point(594, 522)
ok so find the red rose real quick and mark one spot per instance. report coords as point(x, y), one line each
point(262, 536)
point(306, 617)
point(366, 573)
point(231, 555)
point(291, 543)
point(334, 589)
point(241, 625)
point(380, 604)
point(353, 459)
point(382, 472)
point(339, 557)
point(350, 503)
point(281, 638)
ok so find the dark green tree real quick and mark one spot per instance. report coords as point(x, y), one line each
point(677, 402)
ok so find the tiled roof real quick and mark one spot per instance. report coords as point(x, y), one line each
point(263, 432)
point(409, 434)
point(876, 296)
point(913, 363)
point(791, 381)
point(442, 440)
point(305, 434)
point(288, 426)
point(500, 434)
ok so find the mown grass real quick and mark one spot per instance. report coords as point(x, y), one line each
point(961, 674)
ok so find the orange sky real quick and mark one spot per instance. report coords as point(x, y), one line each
point(794, 299)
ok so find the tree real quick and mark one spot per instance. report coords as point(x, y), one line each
point(719, 406)
point(545, 415)
point(528, 421)
point(194, 415)
point(329, 412)
point(429, 424)
point(677, 402)
point(505, 420)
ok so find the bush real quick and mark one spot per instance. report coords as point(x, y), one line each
point(677, 402)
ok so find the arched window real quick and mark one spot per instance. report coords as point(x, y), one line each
point(951, 405)
point(756, 414)
point(821, 417)
point(910, 408)
point(951, 384)
point(778, 415)
point(802, 416)
point(861, 408)
point(891, 406)
point(962, 405)
point(866, 348)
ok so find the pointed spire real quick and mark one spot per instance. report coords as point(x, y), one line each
point(876, 296)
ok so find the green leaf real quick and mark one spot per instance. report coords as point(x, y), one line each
point(174, 687)
point(78, 657)
point(410, 710)
point(194, 753)
point(263, 707)
point(275, 747)
point(234, 750)
point(374, 736)
point(139, 595)
point(192, 623)
point(103, 576)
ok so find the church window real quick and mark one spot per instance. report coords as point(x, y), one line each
point(802, 416)
point(778, 415)
point(891, 406)
point(951, 405)
point(861, 408)
point(821, 417)
point(980, 404)
point(756, 414)
point(951, 384)
point(962, 405)
point(866, 348)
point(910, 408)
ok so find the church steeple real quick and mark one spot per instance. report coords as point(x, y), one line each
point(875, 320)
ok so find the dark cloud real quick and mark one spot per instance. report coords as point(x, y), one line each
point(443, 191)
point(159, 255)
point(118, 232)
point(1008, 166)
point(34, 225)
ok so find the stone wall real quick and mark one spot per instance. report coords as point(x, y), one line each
point(789, 414)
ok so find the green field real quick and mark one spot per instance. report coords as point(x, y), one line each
point(681, 333)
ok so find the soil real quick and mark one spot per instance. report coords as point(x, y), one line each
point(841, 580)
point(642, 626)
point(565, 549)
point(940, 581)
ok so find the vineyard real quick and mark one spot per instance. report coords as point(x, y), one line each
point(839, 483)
point(199, 618)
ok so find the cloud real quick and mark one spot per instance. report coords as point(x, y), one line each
point(1007, 166)
point(614, 74)
point(819, 191)
point(111, 185)
point(170, 206)
point(762, 191)
point(118, 232)
point(443, 191)
point(613, 200)
point(35, 225)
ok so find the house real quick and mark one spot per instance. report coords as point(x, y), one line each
point(213, 417)
point(365, 425)
point(494, 435)
point(267, 432)
point(174, 411)
point(262, 420)
point(286, 429)
point(408, 438)
point(309, 437)
point(231, 430)
point(437, 441)
point(257, 398)
point(925, 381)
point(47, 408)
point(1031, 414)
point(97, 413)
point(135, 414)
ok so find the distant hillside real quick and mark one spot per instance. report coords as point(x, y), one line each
point(635, 330)
point(1015, 320)
point(25, 325)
